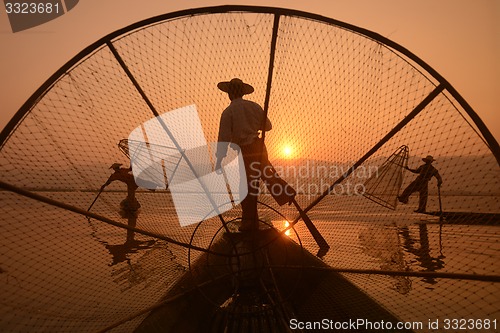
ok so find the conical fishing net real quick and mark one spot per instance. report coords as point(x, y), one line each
point(384, 185)
point(341, 100)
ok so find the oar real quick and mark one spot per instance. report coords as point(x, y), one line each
point(440, 205)
point(271, 177)
point(97, 196)
point(323, 245)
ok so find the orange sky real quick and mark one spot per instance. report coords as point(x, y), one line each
point(458, 38)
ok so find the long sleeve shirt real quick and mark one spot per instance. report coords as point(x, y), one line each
point(426, 172)
point(240, 123)
point(125, 176)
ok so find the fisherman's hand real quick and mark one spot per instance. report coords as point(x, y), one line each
point(218, 167)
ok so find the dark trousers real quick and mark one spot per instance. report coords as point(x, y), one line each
point(252, 160)
point(420, 186)
point(258, 166)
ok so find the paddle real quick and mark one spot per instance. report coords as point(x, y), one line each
point(440, 205)
point(286, 194)
point(323, 245)
point(97, 196)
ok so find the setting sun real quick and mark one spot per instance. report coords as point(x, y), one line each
point(287, 151)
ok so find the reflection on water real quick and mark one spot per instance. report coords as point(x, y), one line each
point(286, 224)
point(421, 249)
point(120, 252)
point(398, 249)
point(109, 271)
point(385, 246)
point(133, 273)
point(281, 225)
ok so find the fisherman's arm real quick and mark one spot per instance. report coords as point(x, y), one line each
point(220, 154)
point(269, 126)
point(439, 179)
point(225, 135)
point(417, 170)
point(111, 179)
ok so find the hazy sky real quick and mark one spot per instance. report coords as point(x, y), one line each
point(458, 38)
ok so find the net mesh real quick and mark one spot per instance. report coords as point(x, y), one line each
point(335, 94)
point(383, 186)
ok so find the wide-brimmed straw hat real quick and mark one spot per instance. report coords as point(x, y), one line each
point(428, 158)
point(235, 85)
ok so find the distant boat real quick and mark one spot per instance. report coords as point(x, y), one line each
point(341, 95)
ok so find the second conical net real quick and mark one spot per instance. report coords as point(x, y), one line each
point(383, 187)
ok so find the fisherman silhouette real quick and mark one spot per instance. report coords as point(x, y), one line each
point(129, 207)
point(421, 183)
point(241, 123)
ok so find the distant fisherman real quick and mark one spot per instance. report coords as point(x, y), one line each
point(129, 206)
point(421, 183)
